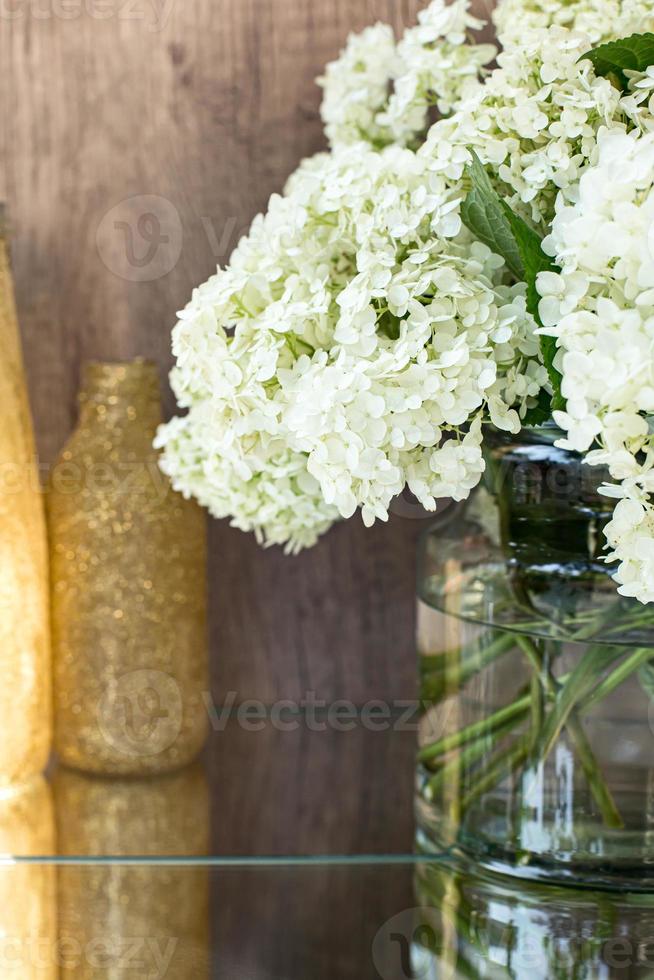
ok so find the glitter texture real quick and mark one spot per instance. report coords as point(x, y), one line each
point(128, 560)
point(161, 912)
point(28, 915)
point(25, 693)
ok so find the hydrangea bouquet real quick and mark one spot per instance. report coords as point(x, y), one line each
point(475, 249)
point(425, 278)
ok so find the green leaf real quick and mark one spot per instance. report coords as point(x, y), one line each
point(633, 53)
point(541, 412)
point(548, 350)
point(389, 325)
point(492, 221)
point(535, 260)
point(483, 214)
point(533, 257)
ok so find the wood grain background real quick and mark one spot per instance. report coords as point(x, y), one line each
point(207, 105)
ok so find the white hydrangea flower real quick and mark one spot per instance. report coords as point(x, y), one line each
point(639, 103)
point(534, 121)
point(601, 310)
point(348, 351)
point(435, 66)
point(356, 87)
point(359, 338)
point(382, 93)
point(601, 20)
point(631, 538)
point(262, 486)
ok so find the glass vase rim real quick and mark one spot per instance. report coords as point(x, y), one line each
point(547, 431)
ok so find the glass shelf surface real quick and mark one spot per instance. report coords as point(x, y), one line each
point(321, 919)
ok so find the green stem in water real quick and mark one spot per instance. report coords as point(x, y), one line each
point(468, 755)
point(599, 786)
point(578, 737)
point(512, 712)
point(617, 677)
point(576, 689)
point(574, 694)
point(506, 761)
point(472, 653)
point(537, 708)
point(440, 679)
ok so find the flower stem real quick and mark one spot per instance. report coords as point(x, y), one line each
point(629, 666)
point(440, 679)
point(576, 689)
point(578, 737)
point(468, 755)
point(512, 712)
point(507, 760)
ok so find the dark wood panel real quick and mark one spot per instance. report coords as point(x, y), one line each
point(308, 788)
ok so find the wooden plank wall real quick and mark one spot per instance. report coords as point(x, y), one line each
point(196, 110)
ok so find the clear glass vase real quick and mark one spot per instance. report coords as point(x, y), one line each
point(537, 678)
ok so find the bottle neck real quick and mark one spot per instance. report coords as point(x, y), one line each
point(125, 394)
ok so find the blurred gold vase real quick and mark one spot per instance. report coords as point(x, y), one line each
point(25, 667)
point(128, 561)
point(28, 915)
point(133, 920)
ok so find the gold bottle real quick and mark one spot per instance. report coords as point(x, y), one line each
point(25, 666)
point(133, 920)
point(128, 561)
point(28, 915)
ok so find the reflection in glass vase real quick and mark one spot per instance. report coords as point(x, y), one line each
point(481, 926)
point(133, 920)
point(28, 918)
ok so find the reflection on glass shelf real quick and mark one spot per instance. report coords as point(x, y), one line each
point(28, 923)
point(483, 925)
point(157, 918)
point(393, 919)
point(339, 921)
point(113, 919)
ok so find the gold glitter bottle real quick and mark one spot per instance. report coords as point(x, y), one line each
point(25, 667)
point(137, 919)
point(28, 914)
point(128, 560)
